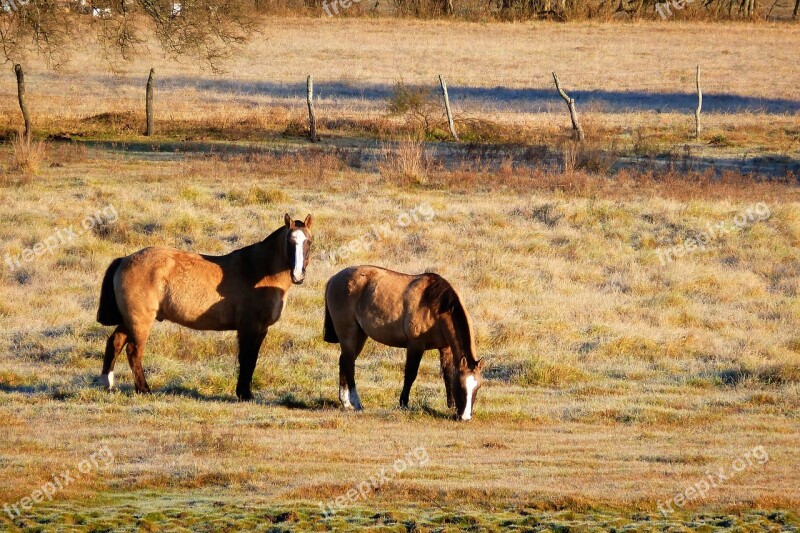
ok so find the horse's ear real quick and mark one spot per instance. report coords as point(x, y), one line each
point(308, 221)
point(288, 221)
point(463, 364)
point(480, 364)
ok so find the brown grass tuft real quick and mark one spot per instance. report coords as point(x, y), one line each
point(26, 155)
point(407, 163)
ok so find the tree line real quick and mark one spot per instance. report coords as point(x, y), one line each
point(561, 10)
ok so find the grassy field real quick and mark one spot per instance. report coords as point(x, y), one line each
point(641, 327)
point(634, 85)
point(615, 381)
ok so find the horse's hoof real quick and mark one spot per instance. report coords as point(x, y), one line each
point(245, 397)
point(107, 381)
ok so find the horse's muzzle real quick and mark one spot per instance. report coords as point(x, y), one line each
point(298, 281)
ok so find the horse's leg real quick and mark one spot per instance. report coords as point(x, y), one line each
point(114, 345)
point(413, 358)
point(352, 344)
point(448, 373)
point(249, 346)
point(137, 339)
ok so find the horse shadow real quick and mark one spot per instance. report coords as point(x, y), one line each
point(27, 389)
point(290, 401)
point(436, 414)
point(180, 390)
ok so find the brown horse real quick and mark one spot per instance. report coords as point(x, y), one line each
point(244, 291)
point(417, 313)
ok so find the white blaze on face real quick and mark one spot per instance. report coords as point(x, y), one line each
point(470, 384)
point(298, 238)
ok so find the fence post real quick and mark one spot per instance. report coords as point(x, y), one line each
point(149, 103)
point(573, 113)
point(450, 122)
point(699, 106)
point(312, 117)
point(22, 105)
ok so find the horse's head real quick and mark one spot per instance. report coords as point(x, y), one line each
point(298, 246)
point(466, 388)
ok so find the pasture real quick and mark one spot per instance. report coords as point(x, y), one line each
point(640, 327)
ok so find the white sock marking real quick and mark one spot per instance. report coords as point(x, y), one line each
point(344, 397)
point(108, 380)
point(471, 384)
point(355, 400)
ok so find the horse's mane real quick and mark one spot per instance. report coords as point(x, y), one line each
point(277, 232)
point(443, 298)
point(440, 295)
point(273, 235)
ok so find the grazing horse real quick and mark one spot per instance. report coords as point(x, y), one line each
point(417, 313)
point(244, 291)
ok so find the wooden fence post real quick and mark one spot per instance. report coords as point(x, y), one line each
point(573, 113)
point(149, 103)
point(22, 105)
point(450, 122)
point(699, 106)
point(312, 117)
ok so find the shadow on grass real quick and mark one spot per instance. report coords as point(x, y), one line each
point(56, 391)
point(181, 390)
point(290, 401)
point(427, 410)
point(503, 373)
point(532, 99)
point(29, 389)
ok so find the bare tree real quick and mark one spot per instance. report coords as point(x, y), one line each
point(205, 30)
point(36, 28)
point(39, 29)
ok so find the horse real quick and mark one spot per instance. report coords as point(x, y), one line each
point(418, 313)
point(243, 291)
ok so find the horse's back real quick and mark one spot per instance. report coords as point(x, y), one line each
point(160, 265)
point(353, 284)
point(173, 285)
point(384, 303)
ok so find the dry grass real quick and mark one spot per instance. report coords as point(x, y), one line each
point(407, 162)
point(638, 96)
point(26, 155)
point(614, 381)
point(623, 379)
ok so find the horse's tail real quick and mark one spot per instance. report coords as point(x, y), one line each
point(329, 332)
point(108, 312)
